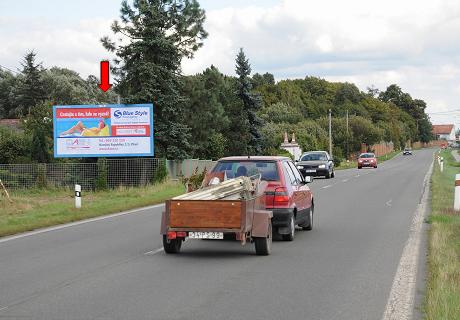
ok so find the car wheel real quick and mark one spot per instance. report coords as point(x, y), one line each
point(290, 236)
point(328, 175)
point(359, 167)
point(375, 167)
point(310, 223)
point(264, 245)
point(171, 246)
point(333, 174)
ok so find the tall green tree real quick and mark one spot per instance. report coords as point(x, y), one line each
point(251, 103)
point(31, 87)
point(8, 83)
point(160, 34)
point(208, 93)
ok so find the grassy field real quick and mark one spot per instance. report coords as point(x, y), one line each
point(442, 300)
point(352, 164)
point(41, 208)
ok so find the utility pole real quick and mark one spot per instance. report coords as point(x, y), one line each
point(330, 132)
point(347, 135)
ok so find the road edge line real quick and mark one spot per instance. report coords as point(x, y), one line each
point(400, 304)
point(76, 223)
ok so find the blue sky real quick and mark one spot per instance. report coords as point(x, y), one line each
point(409, 42)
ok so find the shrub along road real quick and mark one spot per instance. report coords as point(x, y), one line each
point(115, 268)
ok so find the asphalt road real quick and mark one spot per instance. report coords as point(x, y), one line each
point(113, 268)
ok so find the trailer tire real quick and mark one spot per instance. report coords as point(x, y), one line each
point(171, 246)
point(264, 245)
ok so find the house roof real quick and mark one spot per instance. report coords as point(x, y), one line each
point(442, 128)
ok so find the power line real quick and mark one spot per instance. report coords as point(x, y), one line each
point(16, 72)
point(444, 112)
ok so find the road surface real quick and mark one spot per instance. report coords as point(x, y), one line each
point(115, 269)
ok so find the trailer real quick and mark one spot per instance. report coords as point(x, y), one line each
point(230, 207)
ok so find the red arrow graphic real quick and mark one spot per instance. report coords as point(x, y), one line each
point(105, 85)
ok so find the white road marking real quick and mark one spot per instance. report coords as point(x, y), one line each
point(400, 305)
point(344, 180)
point(328, 186)
point(357, 176)
point(151, 253)
point(388, 203)
point(73, 224)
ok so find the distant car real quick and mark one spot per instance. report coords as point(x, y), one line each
point(367, 160)
point(287, 194)
point(407, 152)
point(316, 163)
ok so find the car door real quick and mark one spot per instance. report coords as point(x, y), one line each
point(291, 180)
point(304, 192)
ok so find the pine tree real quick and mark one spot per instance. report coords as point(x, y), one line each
point(160, 34)
point(31, 88)
point(251, 103)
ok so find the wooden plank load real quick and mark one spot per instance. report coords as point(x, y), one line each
point(231, 189)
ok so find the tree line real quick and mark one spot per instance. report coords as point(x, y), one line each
point(207, 115)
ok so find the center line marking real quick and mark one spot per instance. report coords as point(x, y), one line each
point(151, 253)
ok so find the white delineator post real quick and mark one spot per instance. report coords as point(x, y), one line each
point(441, 164)
point(457, 193)
point(77, 196)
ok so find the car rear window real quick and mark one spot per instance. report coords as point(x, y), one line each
point(233, 169)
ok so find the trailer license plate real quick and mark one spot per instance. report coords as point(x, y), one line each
point(206, 235)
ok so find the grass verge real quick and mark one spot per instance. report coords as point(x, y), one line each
point(42, 208)
point(442, 299)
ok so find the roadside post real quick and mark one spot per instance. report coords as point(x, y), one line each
point(441, 164)
point(77, 196)
point(457, 193)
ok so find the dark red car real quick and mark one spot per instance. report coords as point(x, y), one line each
point(367, 160)
point(287, 194)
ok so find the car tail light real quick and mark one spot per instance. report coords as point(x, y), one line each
point(181, 234)
point(281, 196)
point(171, 235)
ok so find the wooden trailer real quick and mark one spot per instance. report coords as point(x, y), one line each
point(235, 206)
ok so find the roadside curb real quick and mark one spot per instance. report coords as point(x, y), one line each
point(401, 300)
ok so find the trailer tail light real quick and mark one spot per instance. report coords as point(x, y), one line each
point(171, 235)
point(281, 196)
point(181, 234)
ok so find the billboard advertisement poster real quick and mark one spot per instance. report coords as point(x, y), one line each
point(115, 130)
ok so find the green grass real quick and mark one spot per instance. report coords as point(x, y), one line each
point(388, 156)
point(42, 208)
point(442, 301)
point(352, 164)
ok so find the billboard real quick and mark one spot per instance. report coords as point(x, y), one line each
point(116, 130)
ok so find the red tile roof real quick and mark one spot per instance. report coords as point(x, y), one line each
point(442, 128)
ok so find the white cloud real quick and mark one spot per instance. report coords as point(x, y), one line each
point(74, 46)
point(411, 43)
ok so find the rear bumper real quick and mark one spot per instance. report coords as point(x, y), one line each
point(281, 216)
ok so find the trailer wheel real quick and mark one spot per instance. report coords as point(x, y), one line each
point(264, 245)
point(171, 246)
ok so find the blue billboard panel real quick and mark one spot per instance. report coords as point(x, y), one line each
point(115, 130)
